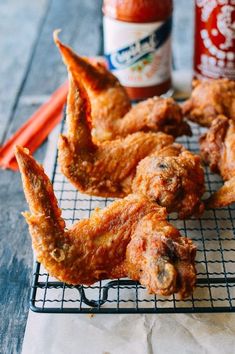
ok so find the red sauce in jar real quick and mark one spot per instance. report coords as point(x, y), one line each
point(137, 44)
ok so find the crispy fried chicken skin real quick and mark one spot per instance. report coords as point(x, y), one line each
point(210, 98)
point(128, 238)
point(174, 178)
point(218, 151)
point(108, 98)
point(217, 147)
point(112, 115)
point(223, 197)
point(154, 114)
point(105, 169)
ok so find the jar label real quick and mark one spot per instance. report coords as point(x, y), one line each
point(215, 39)
point(139, 54)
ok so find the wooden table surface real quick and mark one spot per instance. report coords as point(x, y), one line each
point(31, 69)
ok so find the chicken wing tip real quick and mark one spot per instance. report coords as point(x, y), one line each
point(66, 51)
point(27, 164)
point(21, 150)
point(21, 154)
point(56, 36)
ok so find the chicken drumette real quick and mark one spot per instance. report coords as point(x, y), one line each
point(128, 238)
point(174, 178)
point(112, 115)
point(209, 99)
point(218, 151)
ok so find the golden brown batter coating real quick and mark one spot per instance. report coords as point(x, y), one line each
point(128, 238)
point(210, 98)
point(106, 169)
point(174, 178)
point(112, 115)
point(154, 114)
point(218, 147)
point(218, 151)
point(223, 197)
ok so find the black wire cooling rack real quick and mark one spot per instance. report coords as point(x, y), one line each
point(213, 234)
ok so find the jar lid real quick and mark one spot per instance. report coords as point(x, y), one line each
point(138, 10)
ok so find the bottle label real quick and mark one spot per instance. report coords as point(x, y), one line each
point(215, 39)
point(139, 54)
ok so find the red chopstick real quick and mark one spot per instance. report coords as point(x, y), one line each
point(37, 139)
point(36, 129)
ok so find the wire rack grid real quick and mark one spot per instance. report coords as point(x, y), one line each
point(213, 234)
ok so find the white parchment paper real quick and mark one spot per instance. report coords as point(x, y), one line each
point(138, 334)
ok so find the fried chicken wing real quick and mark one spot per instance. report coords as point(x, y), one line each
point(128, 238)
point(106, 169)
point(108, 97)
point(223, 197)
point(174, 178)
point(154, 114)
point(218, 151)
point(210, 98)
point(112, 115)
point(217, 147)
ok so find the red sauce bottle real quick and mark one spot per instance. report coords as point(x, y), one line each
point(214, 50)
point(137, 44)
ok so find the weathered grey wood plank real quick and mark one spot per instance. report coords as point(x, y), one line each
point(183, 31)
point(81, 21)
point(19, 25)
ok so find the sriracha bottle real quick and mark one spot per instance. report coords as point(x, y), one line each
point(214, 50)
